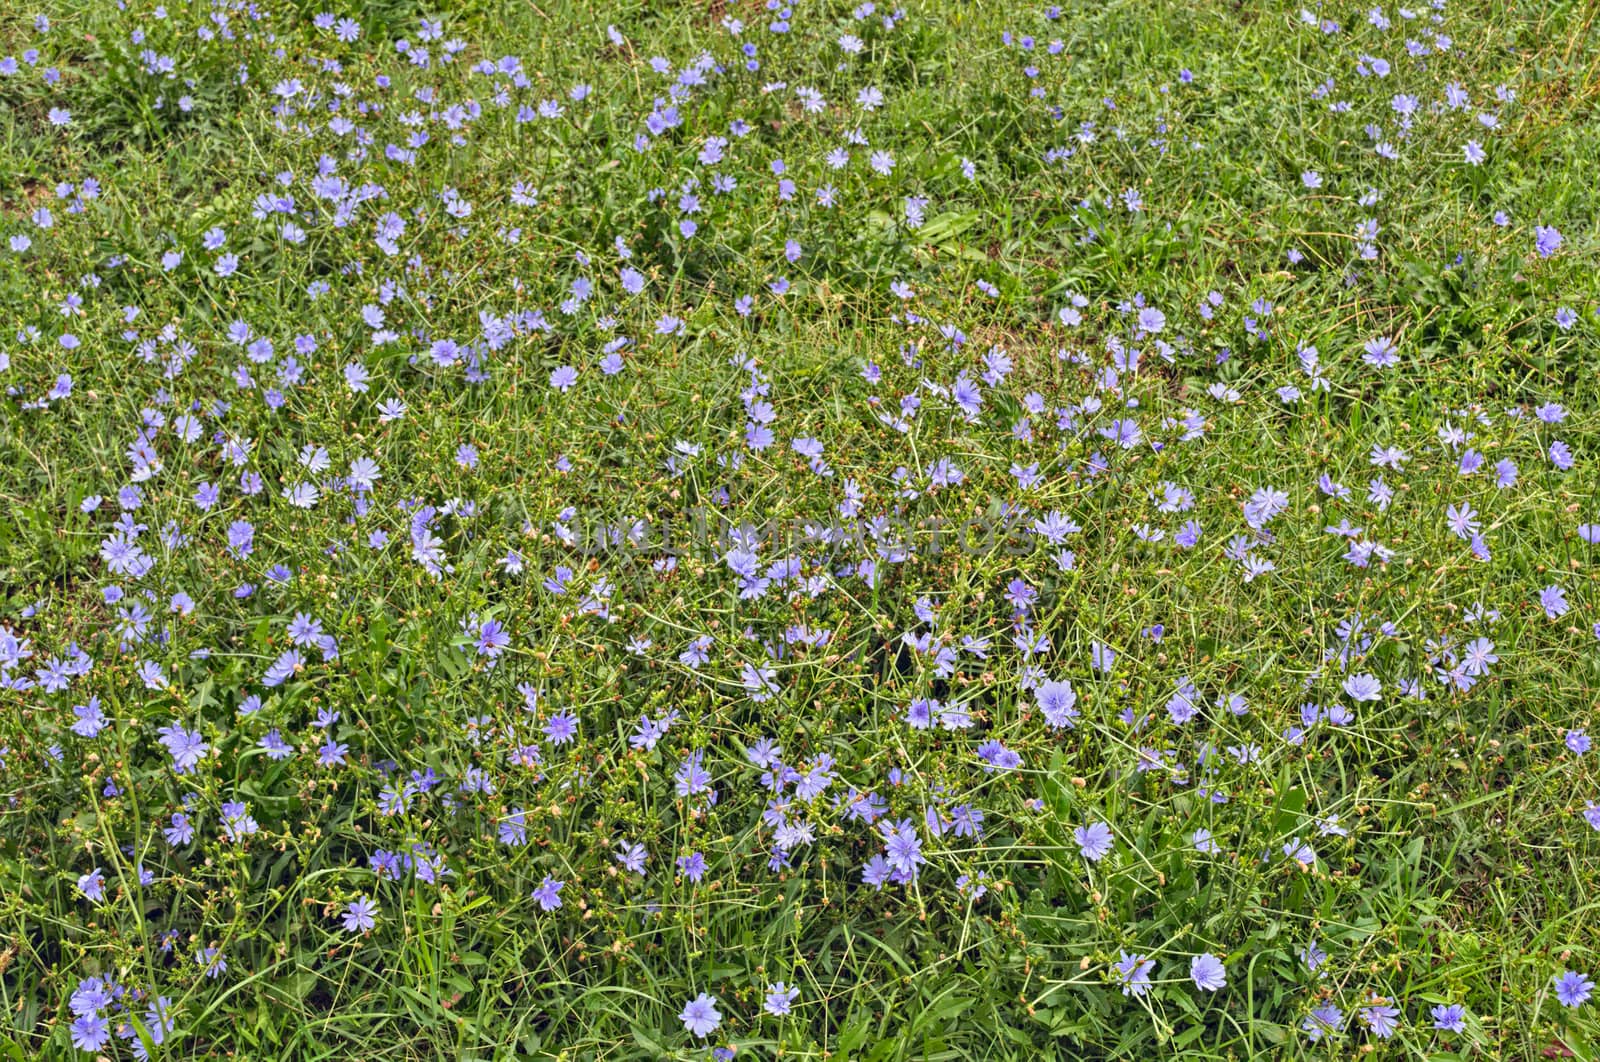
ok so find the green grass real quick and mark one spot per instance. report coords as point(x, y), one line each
point(1468, 874)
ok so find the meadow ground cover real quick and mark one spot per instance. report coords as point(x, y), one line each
point(857, 530)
